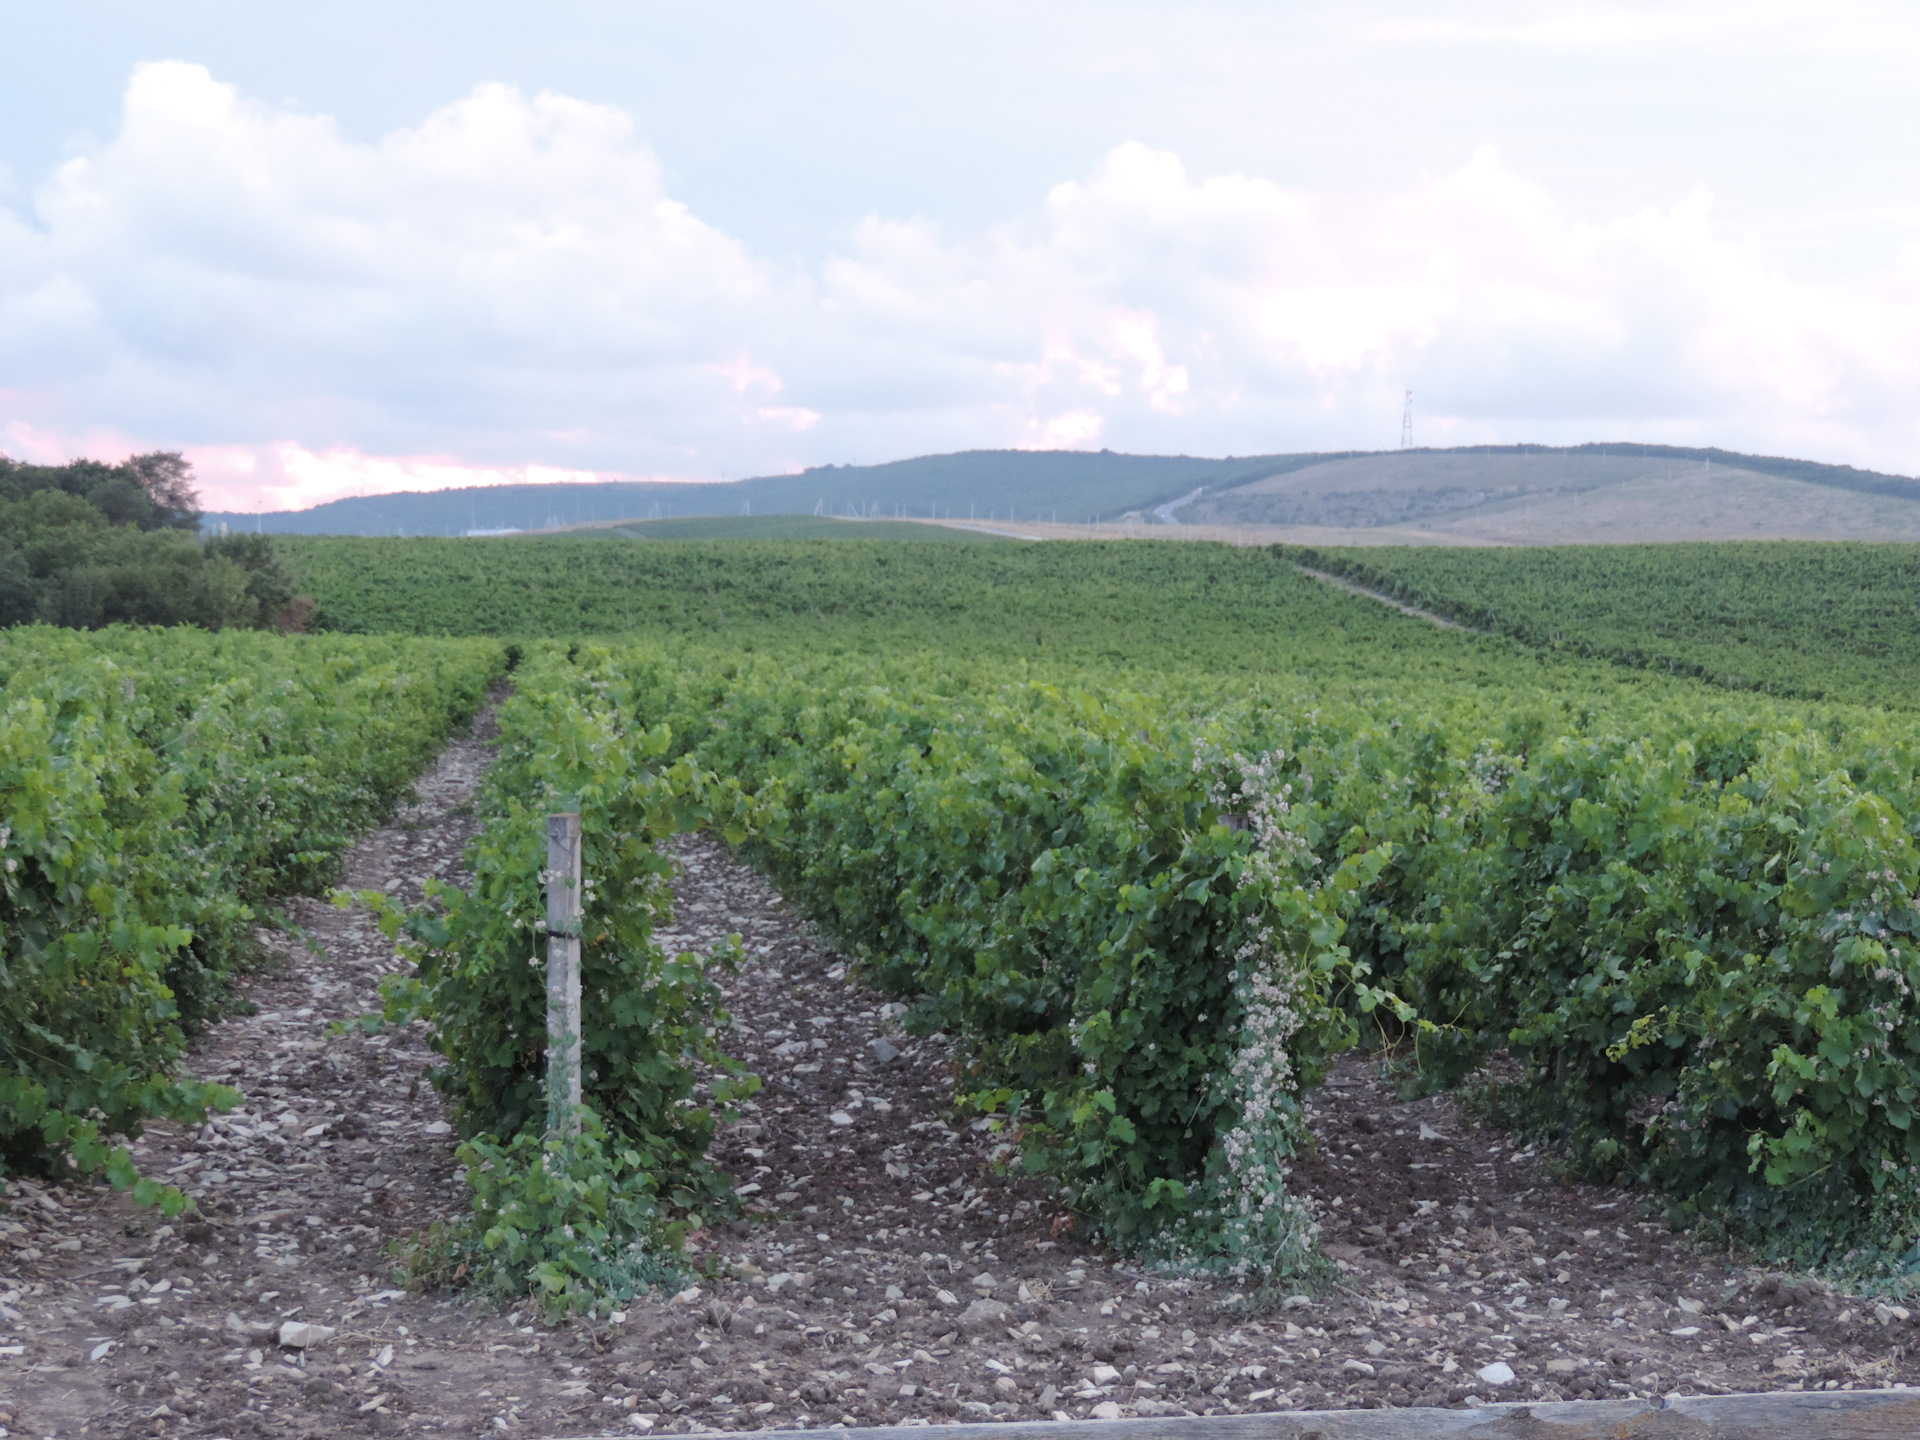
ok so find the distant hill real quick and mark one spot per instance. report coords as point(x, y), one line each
point(1075, 485)
point(783, 527)
point(1589, 494)
point(1520, 494)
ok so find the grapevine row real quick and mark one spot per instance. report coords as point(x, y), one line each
point(156, 787)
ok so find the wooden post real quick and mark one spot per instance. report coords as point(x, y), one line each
point(563, 974)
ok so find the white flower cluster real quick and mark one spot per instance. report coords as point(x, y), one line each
point(1265, 1228)
point(1262, 1229)
point(1491, 771)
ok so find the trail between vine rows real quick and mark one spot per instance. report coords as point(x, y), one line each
point(880, 1272)
point(1354, 587)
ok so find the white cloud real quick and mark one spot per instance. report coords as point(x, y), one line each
point(510, 285)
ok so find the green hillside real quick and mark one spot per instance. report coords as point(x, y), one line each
point(785, 527)
point(1822, 621)
point(1511, 494)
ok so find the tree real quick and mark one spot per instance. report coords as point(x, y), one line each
point(88, 544)
point(166, 478)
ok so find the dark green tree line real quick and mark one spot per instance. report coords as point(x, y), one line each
point(88, 544)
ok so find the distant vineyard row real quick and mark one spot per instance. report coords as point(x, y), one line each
point(1839, 621)
point(1810, 620)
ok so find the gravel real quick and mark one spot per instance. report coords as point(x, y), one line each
point(884, 1269)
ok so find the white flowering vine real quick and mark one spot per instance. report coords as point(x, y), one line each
point(1254, 1225)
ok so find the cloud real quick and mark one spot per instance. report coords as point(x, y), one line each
point(509, 289)
point(508, 271)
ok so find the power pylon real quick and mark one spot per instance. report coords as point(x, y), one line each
point(1406, 424)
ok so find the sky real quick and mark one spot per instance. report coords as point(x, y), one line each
point(365, 247)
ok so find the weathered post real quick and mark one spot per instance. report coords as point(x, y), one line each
point(563, 974)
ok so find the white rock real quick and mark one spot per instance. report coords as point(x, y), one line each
point(1105, 1410)
point(985, 1283)
point(882, 1051)
point(1427, 1132)
point(686, 1296)
point(436, 1127)
point(946, 1297)
point(1357, 1367)
point(840, 1117)
point(299, 1335)
point(1498, 1373)
point(1105, 1374)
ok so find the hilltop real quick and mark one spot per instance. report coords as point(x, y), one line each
point(1513, 494)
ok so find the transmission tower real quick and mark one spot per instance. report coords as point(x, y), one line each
point(1406, 424)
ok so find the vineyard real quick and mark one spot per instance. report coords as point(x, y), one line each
point(159, 788)
point(1099, 809)
point(1153, 914)
point(1144, 838)
point(1836, 621)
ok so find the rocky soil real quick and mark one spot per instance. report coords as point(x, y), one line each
point(882, 1270)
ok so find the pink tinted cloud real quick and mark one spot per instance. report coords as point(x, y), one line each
point(286, 475)
point(289, 476)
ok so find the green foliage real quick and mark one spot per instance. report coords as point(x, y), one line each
point(1691, 918)
point(1688, 911)
point(1201, 611)
point(573, 1221)
point(651, 1020)
point(149, 492)
point(86, 545)
point(1048, 871)
point(155, 786)
point(1700, 935)
point(1811, 619)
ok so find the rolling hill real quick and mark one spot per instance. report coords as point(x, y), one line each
point(1516, 494)
point(1075, 485)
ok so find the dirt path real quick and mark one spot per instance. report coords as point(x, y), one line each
point(1354, 588)
point(883, 1225)
point(882, 1271)
point(121, 1324)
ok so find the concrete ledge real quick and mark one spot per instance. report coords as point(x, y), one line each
point(1779, 1415)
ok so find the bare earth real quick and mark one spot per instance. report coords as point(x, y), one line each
point(881, 1271)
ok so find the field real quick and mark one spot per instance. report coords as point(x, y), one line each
point(1205, 610)
point(781, 527)
point(1839, 621)
point(1231, 664)
point(1111, 859)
